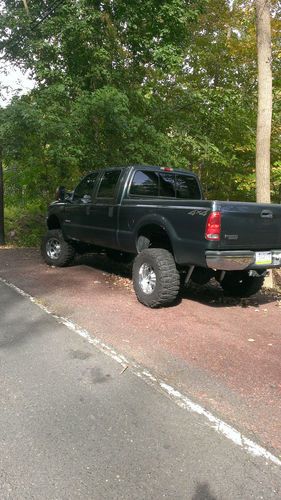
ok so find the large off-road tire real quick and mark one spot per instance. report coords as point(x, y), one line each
point(240, 284)
point(156, 279)
point(55, 250)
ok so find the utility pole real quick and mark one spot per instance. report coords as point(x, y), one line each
point(2, 232)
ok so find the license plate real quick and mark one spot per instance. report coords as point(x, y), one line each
point(263, 258)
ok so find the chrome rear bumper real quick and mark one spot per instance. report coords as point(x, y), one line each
point(238, 260)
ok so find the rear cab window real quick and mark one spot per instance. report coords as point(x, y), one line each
point(187, 187)
point(167, 184)
point(159, 184)
point(145, 183)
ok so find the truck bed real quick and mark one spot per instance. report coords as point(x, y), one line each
point(249, 225)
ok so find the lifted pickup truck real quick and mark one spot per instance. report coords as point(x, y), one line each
point(158, 217)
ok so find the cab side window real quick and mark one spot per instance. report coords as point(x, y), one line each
point(108, 184)
point(84, 190)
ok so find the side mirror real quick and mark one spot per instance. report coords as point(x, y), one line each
point(60, 193)
point(86, 198)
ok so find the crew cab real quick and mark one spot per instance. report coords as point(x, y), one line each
point(158, 217)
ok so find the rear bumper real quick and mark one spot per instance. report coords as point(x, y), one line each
point(238, 260)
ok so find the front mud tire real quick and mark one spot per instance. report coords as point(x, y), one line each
point(55, 250)
point(156, 279)
point(240, 284)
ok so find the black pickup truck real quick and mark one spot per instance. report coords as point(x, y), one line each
point(159, 217)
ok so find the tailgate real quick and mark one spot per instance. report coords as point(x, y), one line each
point(250, 226)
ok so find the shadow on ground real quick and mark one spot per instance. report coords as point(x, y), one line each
point(203, 492)
point(210, 294)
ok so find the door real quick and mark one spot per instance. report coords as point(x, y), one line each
point(103, 213)
point(76, 224)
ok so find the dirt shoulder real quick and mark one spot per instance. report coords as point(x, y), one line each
point(225, 354)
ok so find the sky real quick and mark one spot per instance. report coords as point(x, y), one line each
point(13, 81)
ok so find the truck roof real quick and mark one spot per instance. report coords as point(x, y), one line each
point(148, 167)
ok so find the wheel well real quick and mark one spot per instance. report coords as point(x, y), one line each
point(53, 222)
point(153, 236)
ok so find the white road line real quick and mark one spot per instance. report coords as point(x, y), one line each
point(180, 399)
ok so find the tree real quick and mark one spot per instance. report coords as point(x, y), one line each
point(263, 28)
point(25, 6)
point(2, 233)
point(171, 82)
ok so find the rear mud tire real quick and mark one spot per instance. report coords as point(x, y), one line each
point(240, 284)
point(159, 266)
point(55, 250)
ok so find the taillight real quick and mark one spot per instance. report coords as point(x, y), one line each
point(213, 227)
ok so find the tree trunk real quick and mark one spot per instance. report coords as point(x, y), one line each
point(26, 6)
point(2, 234)
point(264, 101)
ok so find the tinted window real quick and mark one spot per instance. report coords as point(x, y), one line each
point(144, 184)
point(108, 184)
point(167, 185)
point(85, 187)
point(187, 188)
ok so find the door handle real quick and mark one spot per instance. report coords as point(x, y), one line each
point(267, 214)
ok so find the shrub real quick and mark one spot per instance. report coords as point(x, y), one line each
point(25, 225)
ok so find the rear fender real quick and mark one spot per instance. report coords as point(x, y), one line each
point(157, 221)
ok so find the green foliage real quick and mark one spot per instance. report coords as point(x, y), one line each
point(24, 226)
point(155, 82)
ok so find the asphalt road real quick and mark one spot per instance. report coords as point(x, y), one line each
point(72, 426)
point(225, 354)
